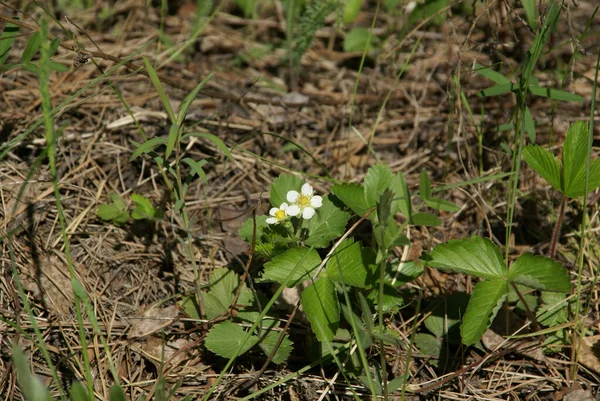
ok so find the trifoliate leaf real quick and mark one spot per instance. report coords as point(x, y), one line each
point(353, 196)
point(476, 257)
point(486, 300)
point(554, 309)
point(540, 273)
point(349, 264)
point(322, 309)
point(292, 266)
point(229, 340)
point(326, 225)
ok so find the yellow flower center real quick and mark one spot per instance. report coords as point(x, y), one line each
point(280, 214)
point(303, 201)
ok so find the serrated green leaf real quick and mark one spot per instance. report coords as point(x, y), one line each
point(408, 271)
point(147, 146)
point(404, 202)
point(292, 266)
point(247, 228)
point(33, 45)
point(426, 219)
point(281, 186)
point(214, 139)
point(322, 309)
point(353, 196)
point(378, 178)
point(7, 38)
point(213, 306)
point(491, 74)
point(545, 164)
point(442, 204)
point(475, 256)
point(283, 352)
point(113, 213)
point(328, 224)
point(190, 307)
point(430, 346)
point(554, 309)
point(197, 168)
point(540, 273)
point(229, 340)
point(574, 161)
point(555, 94)
point(223, 284)
point(144, 208)
point(391, 299)
point(486, 300)
point(349, 264)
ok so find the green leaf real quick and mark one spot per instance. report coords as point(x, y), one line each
point(424, 185)
point(7, 38)
point(391, 299)
point(555, 94)
point(116, 393)
point(491, 74)
point(574, 161)
point(378, 178)
point(197, 168)
point(426, 219)
point(384, 208)
point(187, 101)
point(404, 201)
point(78, 392)
point(284, 350)
point(172, 139)
point(447, 313)
point(115, 212)
point(476, 257)
point(147, 146)
point(349, 264)
point(214, 139)
point(545, 164)
point(351, 10)
point(357, 40)
point(247, 228)
point(353, 196)
point(322, 309)
point(529, 125)
point(486, 300)
point(190, 307)
point(429, 345)
point(499, 89)
point(143, 209)
point(30, 385)
point(530, 13)
point(292, 266)
point(33, 45)
point(554, 309)
point(281, 186)
point(229, 340)
point(160, 91)
point(442, 204)
point(328, 224)
point(540, 273)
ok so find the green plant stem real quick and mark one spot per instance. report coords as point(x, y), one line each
point(557, 226)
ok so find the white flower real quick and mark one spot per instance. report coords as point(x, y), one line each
point(304, 202)
point(278, 214)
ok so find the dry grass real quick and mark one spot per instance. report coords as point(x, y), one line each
point(135, 274)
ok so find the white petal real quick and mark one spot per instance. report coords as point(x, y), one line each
point(293, 210)
point(292, 196)
point(308, 213)
point(283, 206)
point(316, 201)
point(307, 189)
point(273, 211)
point(271, 220)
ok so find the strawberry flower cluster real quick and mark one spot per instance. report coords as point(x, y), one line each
point(301, 203)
